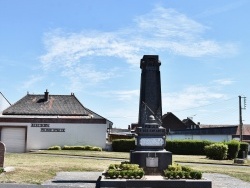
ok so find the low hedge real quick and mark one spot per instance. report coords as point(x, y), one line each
point(55, 148)
point(187, 147)
point(123, 145)
point(217, 151)
point(88, 148)
point(181, 147)
point(243, 147)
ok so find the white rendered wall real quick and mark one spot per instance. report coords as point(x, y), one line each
point(75, 134)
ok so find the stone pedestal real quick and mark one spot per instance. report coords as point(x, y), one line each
point(153, 162)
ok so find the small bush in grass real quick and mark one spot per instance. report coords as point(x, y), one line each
point(243, 147)
point(89, 148)
point(95, 149)
point(73, 148)
point(233, 149)
point(54, 148)
point(216, 151)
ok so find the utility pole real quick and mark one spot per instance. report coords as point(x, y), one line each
point(240, 116)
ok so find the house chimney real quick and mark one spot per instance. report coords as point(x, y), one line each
point(46, 96)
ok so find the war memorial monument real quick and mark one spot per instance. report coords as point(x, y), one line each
point(151, 136)
point(150, 140)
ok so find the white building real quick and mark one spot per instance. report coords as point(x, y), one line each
point(41, 121)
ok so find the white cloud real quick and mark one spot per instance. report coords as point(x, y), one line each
point(33, 79)
point(122, 95)
point(85, 75)
point(159, 31)
point(224, 81)
point(223, 9)
point(190, 97)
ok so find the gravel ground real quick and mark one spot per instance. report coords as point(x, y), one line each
point(225, 181)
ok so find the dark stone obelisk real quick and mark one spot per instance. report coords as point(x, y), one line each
point(150, 92)
point(151, 136)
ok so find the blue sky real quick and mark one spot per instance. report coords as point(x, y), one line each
point(93, 49)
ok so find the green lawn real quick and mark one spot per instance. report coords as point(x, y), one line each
point(36, 168)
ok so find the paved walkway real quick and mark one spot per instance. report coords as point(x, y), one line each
point(83, 179)
point(88, 179)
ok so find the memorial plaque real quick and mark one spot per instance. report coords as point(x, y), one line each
point(152, 162)
point(2, 153)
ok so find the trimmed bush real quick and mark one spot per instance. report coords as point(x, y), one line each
point(1, 169)
point(195, 174)
point(124, 170)
point(95, 149)
point(54, 148)
point(123, 145)
point(243, 147)
point(73, 148)
point(187, 147)
point(88, 148)
point(216, 151)
point(176, 171)
point(233, 149)
point(174, 167)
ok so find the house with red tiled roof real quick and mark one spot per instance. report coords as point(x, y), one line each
point(172, 122)
point(41, 121)
point(245, 133)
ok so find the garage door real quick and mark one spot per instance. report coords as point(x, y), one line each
point(14, 139)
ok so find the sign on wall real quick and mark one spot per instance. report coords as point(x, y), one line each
point(45, 127)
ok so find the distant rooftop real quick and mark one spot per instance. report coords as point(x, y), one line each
point(51, 105)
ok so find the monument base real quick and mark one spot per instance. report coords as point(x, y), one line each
point(152, 162)
point(153, 182)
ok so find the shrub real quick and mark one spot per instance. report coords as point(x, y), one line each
point(233, 149)
point(73, 148)
point(123, 145)
point(243, 147)
point(95, 149)
point(216, 151)
point(176, 171)
point(89, 148)
point(54, 148)
point(174, 167)
point(1, 169)
point(187, 147)
point(196, 174)
point(186, 169)
point(124, 170)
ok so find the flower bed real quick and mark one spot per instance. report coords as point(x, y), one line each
point(177, 171)
point(124, 170)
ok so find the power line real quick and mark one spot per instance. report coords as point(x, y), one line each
point(204, 105)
